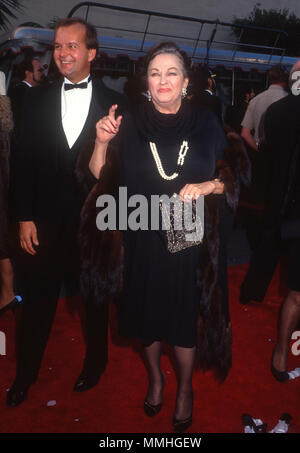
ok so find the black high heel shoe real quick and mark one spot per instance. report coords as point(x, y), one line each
point(12, 305)
point(280, 376)
point(150, 409)
point(180, 426)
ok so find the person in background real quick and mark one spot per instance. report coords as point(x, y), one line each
point(236, 112)
point(282, 222)
point(30, 74)
point(251, 125)
point(8, 300)
point(283, 140)
point(204, 88)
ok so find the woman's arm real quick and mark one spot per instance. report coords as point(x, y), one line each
point(106, 128)
point(219, 186)
point(98, 158)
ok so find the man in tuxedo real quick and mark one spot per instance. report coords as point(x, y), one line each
point(30, 74)
point(60, 122)
point(204, 90)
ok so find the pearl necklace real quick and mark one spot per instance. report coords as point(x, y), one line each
point(181, 156)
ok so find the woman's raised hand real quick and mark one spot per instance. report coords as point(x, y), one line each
point(108, 126)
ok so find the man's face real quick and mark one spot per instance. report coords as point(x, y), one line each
point(38, 74)
point(71, 55)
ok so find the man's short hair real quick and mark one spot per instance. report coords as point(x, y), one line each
point(202, 75)
point(277, 74)
point(25, 65)
point(91, 33)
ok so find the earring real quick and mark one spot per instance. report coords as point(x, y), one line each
point(149, 96)
point(184, 92)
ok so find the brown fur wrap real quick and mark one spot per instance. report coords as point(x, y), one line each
point(102, 267)
point(6, 119)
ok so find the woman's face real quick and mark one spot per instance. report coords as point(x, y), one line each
point(165, 82)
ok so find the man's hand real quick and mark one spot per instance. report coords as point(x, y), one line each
point(28, 237)
point(248, 137)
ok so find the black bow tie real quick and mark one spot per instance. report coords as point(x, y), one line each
point(70, 86)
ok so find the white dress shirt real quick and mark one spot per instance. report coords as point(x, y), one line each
point(2, 83)
point(27, 83)
point(75, 106)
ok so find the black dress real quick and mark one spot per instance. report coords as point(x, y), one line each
point(160, 291)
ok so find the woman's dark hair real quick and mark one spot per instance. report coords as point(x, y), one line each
point(91, 33)
point(162, 48)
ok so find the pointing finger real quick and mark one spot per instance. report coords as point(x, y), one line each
point(119, 119)
point(112, 111)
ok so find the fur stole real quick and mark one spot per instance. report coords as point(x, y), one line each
point(6, 120)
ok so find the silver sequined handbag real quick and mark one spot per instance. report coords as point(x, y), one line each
point(178, 219)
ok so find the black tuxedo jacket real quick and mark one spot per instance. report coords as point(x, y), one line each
point(209, 101)
point(17, 94)
point(282, 131)
point(45, 189)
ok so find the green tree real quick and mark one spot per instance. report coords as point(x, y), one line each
point(276, 19)
point(8, 8)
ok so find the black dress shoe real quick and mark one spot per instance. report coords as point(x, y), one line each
point(180, 426)
point(12, 305)
point(84, 383)
point(15, 397)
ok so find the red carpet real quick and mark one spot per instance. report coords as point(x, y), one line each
point(116, 404)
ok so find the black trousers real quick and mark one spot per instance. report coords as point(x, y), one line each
point(39, 279)
point(262, 266)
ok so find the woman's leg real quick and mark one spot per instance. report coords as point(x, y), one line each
point(288, 320)
point(184, 402)
point(7, 282)
point(156, 379)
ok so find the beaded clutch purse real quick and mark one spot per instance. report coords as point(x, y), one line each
point(183, 223)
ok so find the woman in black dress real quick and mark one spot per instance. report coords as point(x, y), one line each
point(162, 289)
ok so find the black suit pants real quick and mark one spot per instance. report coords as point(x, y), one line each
point(262, 266)
point(39, 280)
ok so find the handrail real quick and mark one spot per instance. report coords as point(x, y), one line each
point(169, 16)
point(196, 40)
